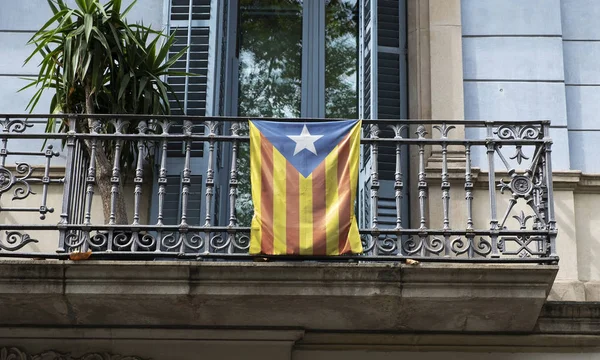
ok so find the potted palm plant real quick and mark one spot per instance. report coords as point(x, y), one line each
point(95, 62)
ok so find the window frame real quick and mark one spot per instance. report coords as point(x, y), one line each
point(312, 104)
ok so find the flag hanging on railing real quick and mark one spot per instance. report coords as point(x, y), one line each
point(304, 178)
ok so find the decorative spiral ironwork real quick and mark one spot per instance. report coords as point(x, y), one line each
point(98, 241)
point(436, 245)
point(74, 239)
point(516, 132)
point(15, 125)
point(170, 242)
point(146, 242)
point(123, 240)
point(241, 242)
point(483, 247)
point(367, 243)
point(16, 240)
point(412, 245)
point(460, 246)
point(219, 242)
point(196, 241)
point(6, 179)
point(387, 245)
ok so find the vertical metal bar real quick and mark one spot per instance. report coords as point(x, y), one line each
point(550, 203)
point(491, 148)
point(3, 151)
point(90, 179)
point(90, 182)
point(66, 200)
point(469, 186)
point(162, 173)
point(115, 179)
point(139, 174)
point(138, 181)
point(470, 239)
point(186, 179)
point(210, 173)
point(398, 183)
point(45, 182)
point(185, 183)
point(422, 180)
point(233, 183)
point(374, 134)
point(77, 192)
point(4, 143)
point(445, 186)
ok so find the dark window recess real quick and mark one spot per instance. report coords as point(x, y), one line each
point(177, 148)
point(217, 202)
point(388, 20)
point(366, 199)
point(172, 200)
point(195, 201)
point(172, 205)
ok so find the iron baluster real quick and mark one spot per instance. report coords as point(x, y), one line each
point(66, 200)
point(210, 173)
point(185, 184)
point(233, 183)
point(469, 199)
point(491, 149)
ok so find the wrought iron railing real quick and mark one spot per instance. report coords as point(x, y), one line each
point(476, 190)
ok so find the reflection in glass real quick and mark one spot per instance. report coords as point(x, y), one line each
point(341, 59)
point(270, 57)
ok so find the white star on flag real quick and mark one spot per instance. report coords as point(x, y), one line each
point(305, 141)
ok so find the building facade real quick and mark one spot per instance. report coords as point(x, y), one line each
point(477, 81)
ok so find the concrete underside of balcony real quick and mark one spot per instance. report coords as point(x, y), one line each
point(293, 295)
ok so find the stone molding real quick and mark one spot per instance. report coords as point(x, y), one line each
point(567, 317)
point(301, 295)
point(13, 353)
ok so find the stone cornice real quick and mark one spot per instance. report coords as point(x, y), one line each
point(562, 317)
point(319, 296)
point(16, 353)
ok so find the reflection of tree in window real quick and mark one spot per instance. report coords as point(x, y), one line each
point(270, 70)
point(270, 45)
point(341, 59)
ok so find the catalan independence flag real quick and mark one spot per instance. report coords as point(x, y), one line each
point(304, 178)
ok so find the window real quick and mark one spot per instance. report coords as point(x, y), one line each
point(296, 58)
point(290, 58)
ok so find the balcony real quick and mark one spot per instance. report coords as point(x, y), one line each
point(456, 219)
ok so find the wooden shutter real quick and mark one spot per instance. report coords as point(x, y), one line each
point(382, 89)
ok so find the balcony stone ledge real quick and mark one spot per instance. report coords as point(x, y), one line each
point(331, 296)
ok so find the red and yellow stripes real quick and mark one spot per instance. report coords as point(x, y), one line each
point(304, 216)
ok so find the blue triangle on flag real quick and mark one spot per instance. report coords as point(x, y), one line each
point(296, 141)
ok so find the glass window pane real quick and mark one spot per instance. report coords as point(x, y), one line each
point(341, 59)
point(270, 57)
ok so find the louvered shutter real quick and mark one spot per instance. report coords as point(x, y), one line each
point(172, 205)
point(191, 21)
point(195, 25)
point(382, 92)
